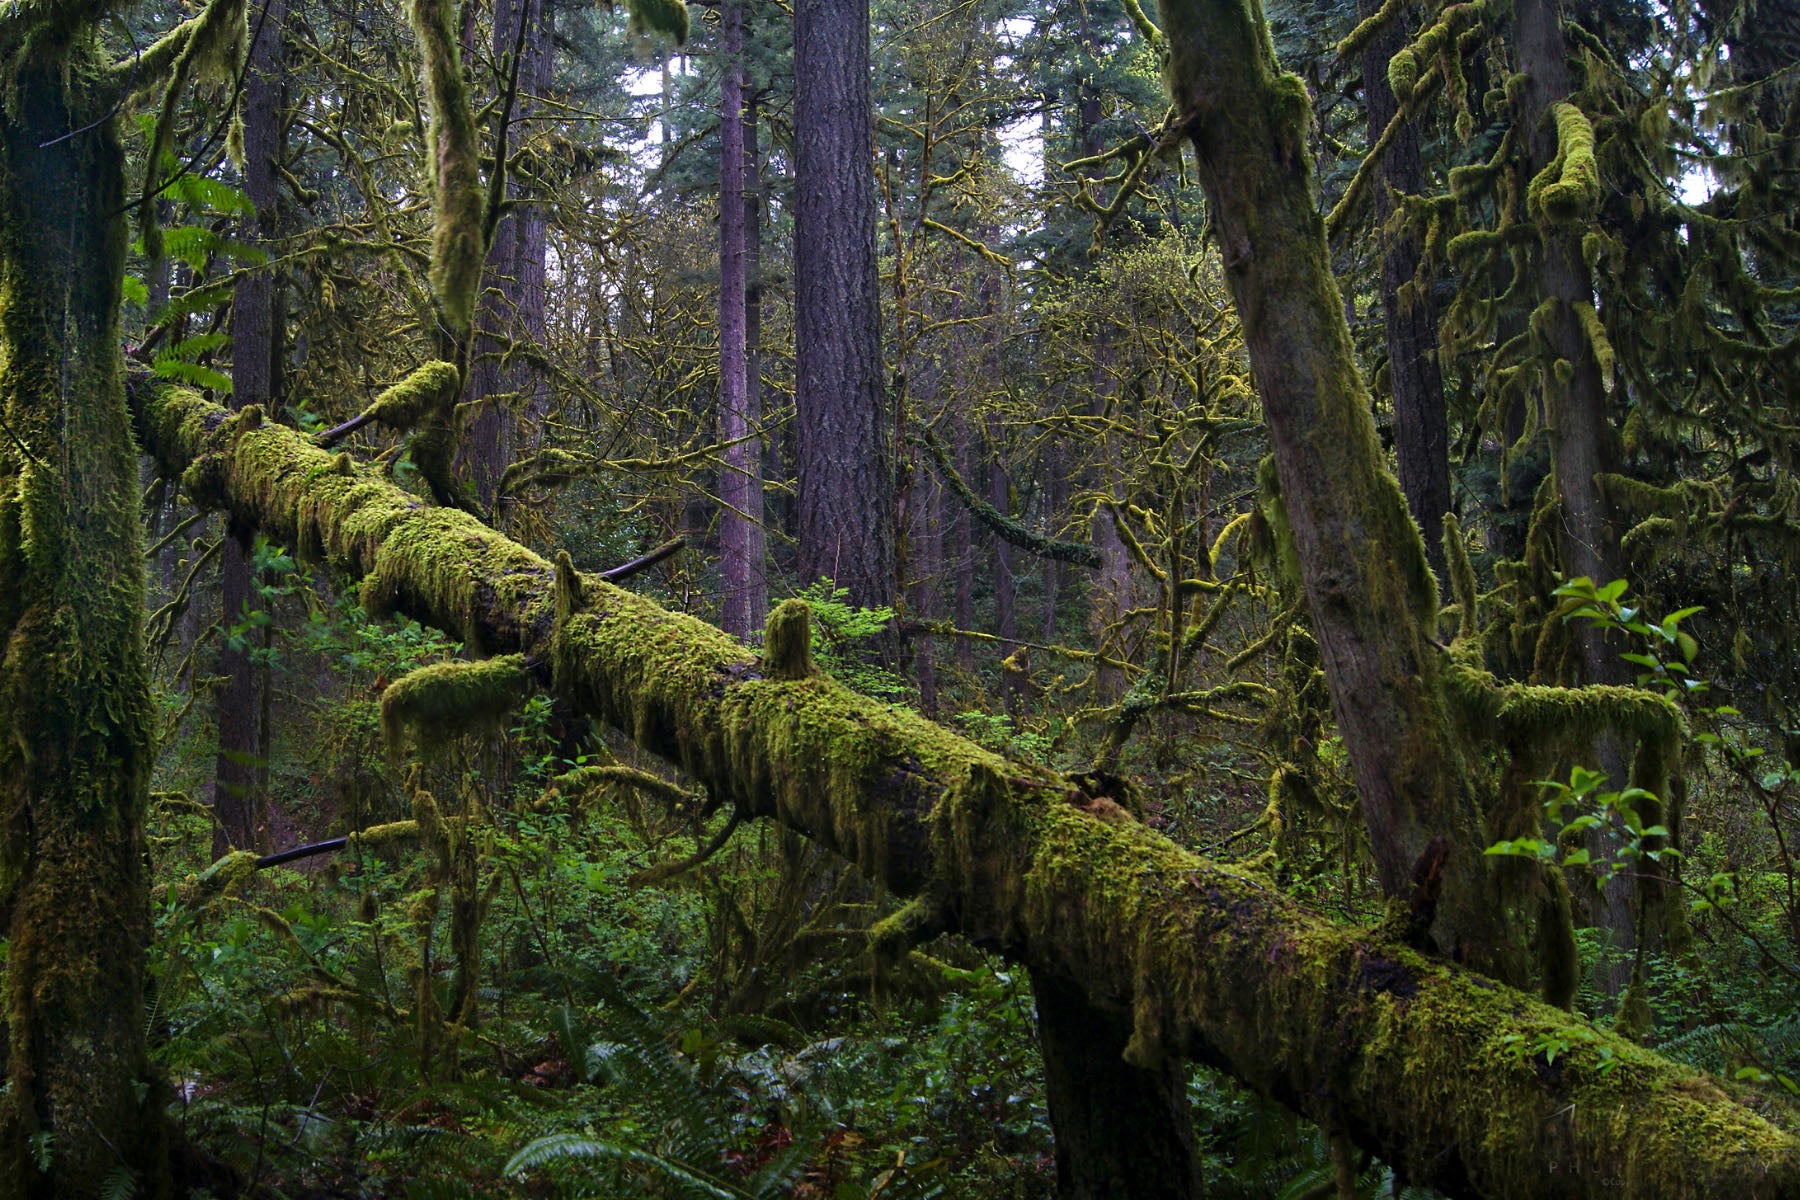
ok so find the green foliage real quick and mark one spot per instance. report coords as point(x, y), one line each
point(849, 642)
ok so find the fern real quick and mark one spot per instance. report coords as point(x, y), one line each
point(561, 1147)
point(120, 1184)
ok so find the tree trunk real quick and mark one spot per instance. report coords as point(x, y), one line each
point(1412, 1058)
point(511, 308)
point(1583, 445)
point(1370, 590)
point(962, 546)
point(80, 1101)
point(239, 797)
point(1122, 1132)
point(1421, 420)
point(846, 486)
point(741, 550)
point(1006, 622)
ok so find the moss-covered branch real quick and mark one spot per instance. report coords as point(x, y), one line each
point(1080, 554)
point(1458, 1082)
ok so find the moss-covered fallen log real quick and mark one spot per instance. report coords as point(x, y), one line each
point(1456, 1081)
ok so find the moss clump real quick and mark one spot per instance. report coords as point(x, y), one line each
point(431, 388)
point(434, 704)
point(668, 17)
point(1567, 190)
point(380, 836)
point(224, 878)
point(787, 641)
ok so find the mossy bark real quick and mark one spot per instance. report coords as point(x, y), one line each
point(1372, 597)
point(80, 1106)
point(1457, 1081)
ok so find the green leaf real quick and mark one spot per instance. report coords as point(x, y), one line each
point(134, 291)
point(1690, 649)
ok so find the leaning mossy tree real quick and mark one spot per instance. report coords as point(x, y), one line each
point(1455, 1080)
point(81, 1111)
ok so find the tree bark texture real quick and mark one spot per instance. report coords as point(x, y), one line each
point(1583, 446)
point(1421, 419)
point(511, 308)
point(742, 551)
point(80, 1101)
point(1006, 621)
point(238, 772)
point(1371, 594)
point(1422, 1062)
point(1122, 1132)
point(846, 486)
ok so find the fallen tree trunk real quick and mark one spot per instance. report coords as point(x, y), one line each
point(1456, 1081)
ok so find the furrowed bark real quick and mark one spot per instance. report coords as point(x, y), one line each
point(1443, 1073)
point(846, 469)
point(1372, 597)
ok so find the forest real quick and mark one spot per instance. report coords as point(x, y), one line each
point(852, 599)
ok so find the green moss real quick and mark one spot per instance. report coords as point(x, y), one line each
point(1205, 960)
point(1462, 580)
point(76, 717)
point(406, 405)
point(787, 642)
point(587, 779)
point(668, 17)
point(377, 837)
point(459, 241)
point(432, 705)
point(1567, 190)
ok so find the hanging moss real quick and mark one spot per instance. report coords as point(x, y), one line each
point(1567, 190)
point(433, 705)
point(428, 389)
point(207, 47)
point(1462, 580)
point(669, 17)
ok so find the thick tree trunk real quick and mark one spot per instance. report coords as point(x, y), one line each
point(741, 548)
point(1371, 593)
point(1417, 1060)
point(80, 1102)
point(1421, 420)
point(239, 771)
point(1122, 1132)
point(846, 485)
